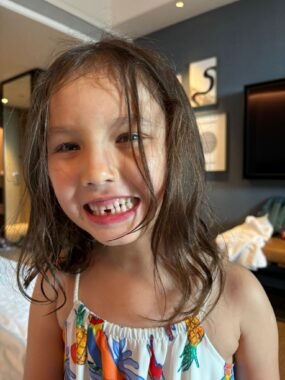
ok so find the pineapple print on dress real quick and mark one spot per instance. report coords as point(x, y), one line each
point(78, 350)
point(195, 333)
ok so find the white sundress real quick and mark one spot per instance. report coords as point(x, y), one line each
point(96, 349)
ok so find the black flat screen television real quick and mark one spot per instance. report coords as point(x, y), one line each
point(264, 130)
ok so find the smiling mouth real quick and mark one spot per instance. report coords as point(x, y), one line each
point(116, 207)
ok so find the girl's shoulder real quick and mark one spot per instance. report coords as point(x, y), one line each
point(243, 295)
point(242, 289)
point(257, 352)
point(65, 298)
point(240, 313)
point(247, 299)
point(58, 288)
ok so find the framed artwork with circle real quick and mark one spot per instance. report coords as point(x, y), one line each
point(212, 128)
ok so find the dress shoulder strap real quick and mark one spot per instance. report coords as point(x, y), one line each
point(76, 287)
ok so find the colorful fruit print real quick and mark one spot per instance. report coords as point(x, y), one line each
point(109, 357)
point(169, 331)
point(95, 373)
point(229, 372)
point(68, 374)
point(108, 362)
point(124, 361)
point(95, 325)
point(195, 333)
point(78, 349)
point(155, 370)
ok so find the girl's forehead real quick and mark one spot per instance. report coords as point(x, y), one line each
point(110, 84)
point(99, 99)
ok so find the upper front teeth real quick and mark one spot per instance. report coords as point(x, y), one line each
point(119, 205)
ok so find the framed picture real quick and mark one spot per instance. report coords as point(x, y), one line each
point(203, 82)
point(212, 128)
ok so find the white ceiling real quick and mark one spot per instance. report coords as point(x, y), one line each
point(135, 17)
point(29, 40)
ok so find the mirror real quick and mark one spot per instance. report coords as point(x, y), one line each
point(16, 98)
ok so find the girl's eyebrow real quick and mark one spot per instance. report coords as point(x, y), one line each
point(53, 130)
point(118, 122)
point(122, 120)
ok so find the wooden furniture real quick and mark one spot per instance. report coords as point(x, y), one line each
point(275, 250)
point(273, 276)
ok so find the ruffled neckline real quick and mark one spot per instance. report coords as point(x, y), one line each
point(141, 334)
point(132, 332)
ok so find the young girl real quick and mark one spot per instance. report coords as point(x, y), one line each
point(130, 283)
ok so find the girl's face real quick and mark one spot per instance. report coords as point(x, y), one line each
point(90, 160)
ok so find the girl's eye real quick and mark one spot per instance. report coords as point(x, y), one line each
point(126, 137)
point(67, 147)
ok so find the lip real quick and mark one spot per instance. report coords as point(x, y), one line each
point(111, 218)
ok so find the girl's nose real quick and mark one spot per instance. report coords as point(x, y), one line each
point(98, 170)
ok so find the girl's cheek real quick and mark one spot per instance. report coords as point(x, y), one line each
point(59, 176)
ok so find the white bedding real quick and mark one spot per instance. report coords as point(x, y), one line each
point(243, 244)
point(14, 310)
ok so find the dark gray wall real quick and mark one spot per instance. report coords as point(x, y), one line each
point(248, 38)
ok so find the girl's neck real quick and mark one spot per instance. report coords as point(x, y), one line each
point(133, 260)
point(134, 257)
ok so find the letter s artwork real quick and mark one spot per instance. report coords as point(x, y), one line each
point(203, 82)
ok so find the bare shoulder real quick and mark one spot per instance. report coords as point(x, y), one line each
point(55, 288)
point(65, 286)
point(243, 288)
point(245, 293)
point(257, 353)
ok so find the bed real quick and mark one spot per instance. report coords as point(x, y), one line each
point(14, 310)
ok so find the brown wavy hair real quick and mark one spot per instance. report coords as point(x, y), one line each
point(54, 242)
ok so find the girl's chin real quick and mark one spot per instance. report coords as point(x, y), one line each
point(118, 235)
point(116, 240)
